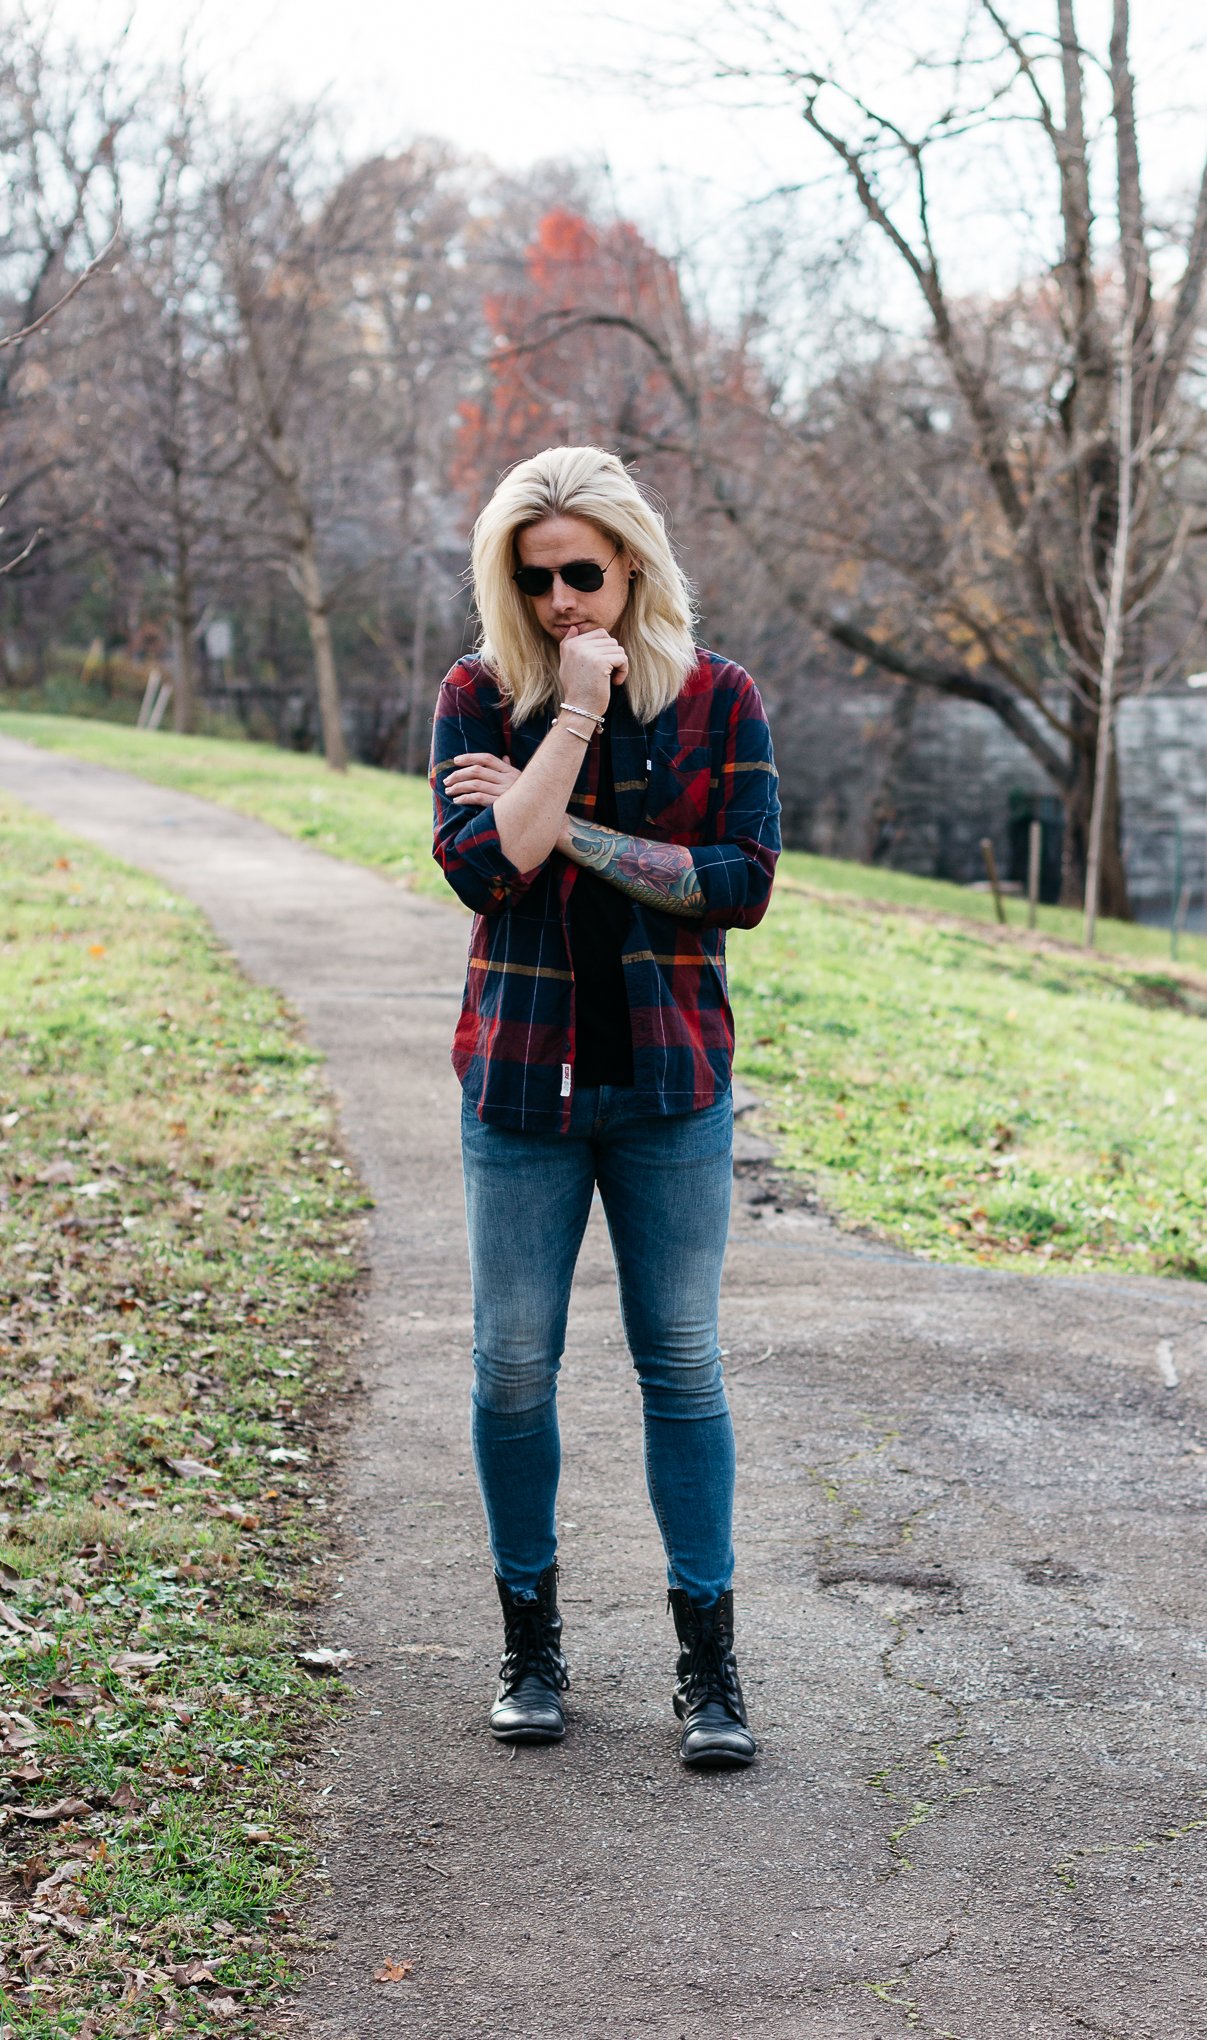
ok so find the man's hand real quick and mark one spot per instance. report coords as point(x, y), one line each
point(591, 664)
point(530, 806)
point(479, 778)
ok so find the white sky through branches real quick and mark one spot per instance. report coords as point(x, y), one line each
point(515, 81)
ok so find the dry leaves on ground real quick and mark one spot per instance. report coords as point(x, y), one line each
point(393, 1972)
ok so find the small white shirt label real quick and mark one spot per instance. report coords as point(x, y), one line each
point(565, 1080)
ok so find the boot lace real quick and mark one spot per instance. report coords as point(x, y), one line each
point(530, 1650)
point(711, 1672)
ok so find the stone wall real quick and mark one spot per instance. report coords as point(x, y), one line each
point(1163, 755)
point(920, 789)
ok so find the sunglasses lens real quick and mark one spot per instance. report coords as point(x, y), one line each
point(583, 575)
point(586, 576)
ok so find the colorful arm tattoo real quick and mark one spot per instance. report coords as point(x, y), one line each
point(659, 875)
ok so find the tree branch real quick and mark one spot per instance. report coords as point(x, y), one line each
point(85, 276)
point(950, 680)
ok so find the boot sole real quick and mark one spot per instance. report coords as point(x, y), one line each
point(718, 1760)
point(528, 1735)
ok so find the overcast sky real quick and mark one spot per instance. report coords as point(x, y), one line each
point(492, 75)
point(495, 77)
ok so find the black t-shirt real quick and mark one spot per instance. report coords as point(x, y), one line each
point(599, 926)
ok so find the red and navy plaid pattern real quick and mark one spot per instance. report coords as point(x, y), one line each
point(701, 774)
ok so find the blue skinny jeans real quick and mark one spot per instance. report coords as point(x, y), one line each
point(665, 1186)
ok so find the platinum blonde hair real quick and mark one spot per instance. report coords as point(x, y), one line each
point(656, 628)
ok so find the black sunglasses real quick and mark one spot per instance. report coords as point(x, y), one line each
point(586, 576)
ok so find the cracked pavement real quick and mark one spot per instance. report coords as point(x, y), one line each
point(972, 1519)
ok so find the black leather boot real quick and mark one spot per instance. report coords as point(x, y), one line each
point(532, 1670)
point(708, 1698)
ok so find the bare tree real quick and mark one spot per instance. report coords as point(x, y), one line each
point(411, 293)
point(1023, 605)
point(63, 112)
point(280, 235)
point(156, 448)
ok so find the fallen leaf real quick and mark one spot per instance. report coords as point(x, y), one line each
point(222, 2008)
point(17, 1732)
point(137, 1660)
point(32, 1871)
point(65, 1874)
point(191, 1972)
point(193, 1469)
point(324, 1660)
point(393, 1972)
point(71, 1929)
point(62, 1689)
point(63, 1809)
point(58, 1172)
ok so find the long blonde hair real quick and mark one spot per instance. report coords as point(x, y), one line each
point(655, 630)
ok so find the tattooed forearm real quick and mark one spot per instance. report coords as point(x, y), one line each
point(659, 875)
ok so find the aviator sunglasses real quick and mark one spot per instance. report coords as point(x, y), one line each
point(585, 576)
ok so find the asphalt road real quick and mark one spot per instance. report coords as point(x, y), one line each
point(971, 1594)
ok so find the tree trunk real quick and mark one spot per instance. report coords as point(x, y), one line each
point(184, 623)
point(418, 672)
point(318, 623)
point(1078, 806)
point(884, 815)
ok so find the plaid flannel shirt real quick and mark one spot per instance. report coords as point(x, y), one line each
point(701, 774)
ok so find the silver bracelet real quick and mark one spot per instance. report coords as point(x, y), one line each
point(582, 736)
point(587, 714)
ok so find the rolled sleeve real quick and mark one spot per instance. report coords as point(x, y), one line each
point(737, 869)
point(465, 842)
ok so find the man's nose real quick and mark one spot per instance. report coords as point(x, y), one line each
point(563, 597)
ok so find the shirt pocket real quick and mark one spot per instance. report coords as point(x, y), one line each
point(679, 788)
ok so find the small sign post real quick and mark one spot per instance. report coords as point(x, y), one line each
point(1035, 844)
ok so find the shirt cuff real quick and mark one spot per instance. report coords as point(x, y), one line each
point(724, 876)
point(478, 846)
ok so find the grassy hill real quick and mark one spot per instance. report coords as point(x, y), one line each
point(968, 1092)
point(177, 1231)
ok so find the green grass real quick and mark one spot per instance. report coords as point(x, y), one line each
point(176, 1230)
point(972, 1096)
point(980, 1100)
point(829, 876)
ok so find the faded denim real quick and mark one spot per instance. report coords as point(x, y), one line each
point(665, 1186)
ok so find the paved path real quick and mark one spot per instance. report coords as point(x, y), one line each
point(972, 1590)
